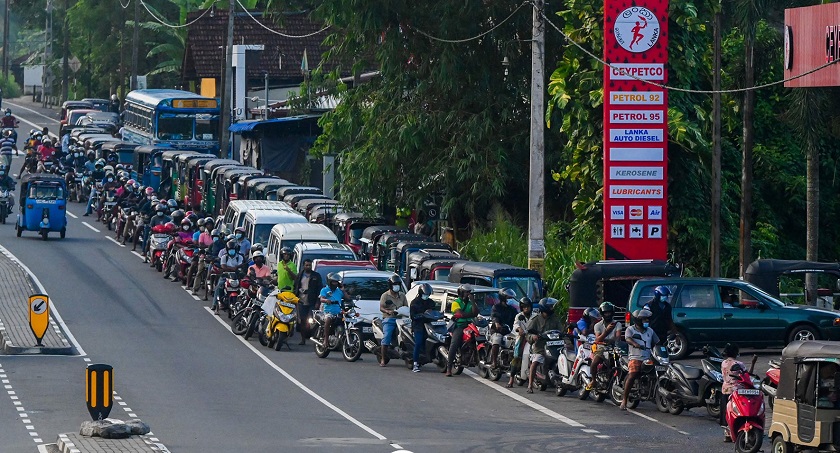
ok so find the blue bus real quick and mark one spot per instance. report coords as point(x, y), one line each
point(174, 119)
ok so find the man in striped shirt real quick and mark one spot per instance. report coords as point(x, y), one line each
point(7, 145)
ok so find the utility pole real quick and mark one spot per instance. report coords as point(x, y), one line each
point(228, 83)
point(6, 41)
point(536, 191)
point(44, 75)
point(134, 44)
point(714, 253)
point(65, 50)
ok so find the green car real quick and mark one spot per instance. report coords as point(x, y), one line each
point(717, 311)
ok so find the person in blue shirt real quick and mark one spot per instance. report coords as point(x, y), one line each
point(586, 323)
point(330, 298)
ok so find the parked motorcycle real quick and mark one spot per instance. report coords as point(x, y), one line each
point(683, 387)
point(646, 386)
point(602, 377)
point(5, 205)
point(326, 343)
point(745, 412)
point(771, 382)
point(545, 373)
point(178, 259)
point(230, 293)
point(573, 369)
point(158, 242)
point(374, 343)
point(278, 323)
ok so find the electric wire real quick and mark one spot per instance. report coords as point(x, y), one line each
point(162, 22)
point(126, 4)
point(458, 41)
point(683, 90)
point(275, 31)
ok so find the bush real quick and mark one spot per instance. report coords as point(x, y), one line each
point(505, 242)
point(10, 88)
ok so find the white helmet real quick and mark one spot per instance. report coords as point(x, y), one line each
point(257, 253)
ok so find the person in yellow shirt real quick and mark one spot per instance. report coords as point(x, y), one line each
point(286, 270)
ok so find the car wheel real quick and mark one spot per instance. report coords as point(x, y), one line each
point(679, 348)
point(803, 333)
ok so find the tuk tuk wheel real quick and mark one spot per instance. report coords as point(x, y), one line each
point(62, 233)
point(44, 234)
point(780, 446)
point(19, 230)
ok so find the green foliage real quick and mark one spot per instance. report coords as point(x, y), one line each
point(9, 86)
point(505, 242)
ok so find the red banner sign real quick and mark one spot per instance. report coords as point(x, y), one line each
point(635, 130)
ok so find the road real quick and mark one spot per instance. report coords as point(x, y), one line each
point(202, 389)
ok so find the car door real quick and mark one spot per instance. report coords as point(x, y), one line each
point(747, 321)
point(697, 312)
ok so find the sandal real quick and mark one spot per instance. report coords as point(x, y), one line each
point(530, 390)
point(508, 385)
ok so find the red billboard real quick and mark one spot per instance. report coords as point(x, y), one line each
point(635, 130)
point(812, 39)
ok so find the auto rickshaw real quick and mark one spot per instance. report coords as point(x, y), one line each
point(370, 236)
point(806, 413)
point(147, 166)
point(123, 151)
point(252, 183)
point(42, 205)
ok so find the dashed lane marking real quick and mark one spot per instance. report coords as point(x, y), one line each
point(139, 255)
point(72, 215)
point(19, 407)
point(114, 241)
point(89, 226)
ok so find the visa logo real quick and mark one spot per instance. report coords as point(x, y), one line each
point(617, 213)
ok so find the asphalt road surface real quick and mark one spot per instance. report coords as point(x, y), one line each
point(202, 389)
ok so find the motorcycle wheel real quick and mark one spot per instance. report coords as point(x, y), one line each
point(519, 381)
point(617, 393)
point(749, 441)
point(662, 404)
point(159, 266)
point(583, 393)
point(560, 391)
point(600, 397)
point(167, 269)
point(543, 383)
point(281, 339)
point(494, 374)
point(351, 347)
point(483, 366)
point(240, 324)
point(252, 326)
point(231, 304)
point(713, 409)
point(321, 350)
point(263, 339)
point(3, 214)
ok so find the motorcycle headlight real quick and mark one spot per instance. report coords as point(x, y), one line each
point(440, 337)
point(717, 375)
point(287, 318)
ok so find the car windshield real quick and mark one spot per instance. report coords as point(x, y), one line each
point(522, 286)
point(368, 288)
point(174, 127)
point(262, 231)
point(46, 192)
point(327, 270)
point(768, 298)
point(337, 255)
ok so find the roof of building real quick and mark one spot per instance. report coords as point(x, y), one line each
point(281, 58)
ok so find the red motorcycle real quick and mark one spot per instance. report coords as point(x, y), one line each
point(158, 243)
point(745, 412)
point(178, 250)
point(473, 348)
point(230, 295)
point(771, 382)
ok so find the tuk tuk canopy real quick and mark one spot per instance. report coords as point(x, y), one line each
point(583, 283)
point(765, 273)
point(811, 349)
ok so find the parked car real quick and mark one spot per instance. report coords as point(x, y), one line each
point(716, 311)
point(368, 286)
point(321, 250)
point(327, 267)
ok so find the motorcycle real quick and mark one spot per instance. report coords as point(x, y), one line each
point(646, 386)
point(158, 241)
point(474, 346)
point(603, 375)
point(374, 344)
point(683, 387)
point(5, 206)
point(110, 200)
point(573, 370)
point(771, 382)
point(555, 347)
point(323, 343)
point(745, 413)
point(355, 334)
point(183, 260)
point(435, 325)
point(230, 294)
point(276, 319)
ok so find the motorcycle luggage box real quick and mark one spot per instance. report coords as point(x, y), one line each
point(690, 372)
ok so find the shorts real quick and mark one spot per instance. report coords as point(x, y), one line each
point(537, 358)
point(635, 366)
point(598, 351)
point(389, 325)
point(496, 338)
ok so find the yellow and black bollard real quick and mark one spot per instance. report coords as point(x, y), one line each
point(99, 388)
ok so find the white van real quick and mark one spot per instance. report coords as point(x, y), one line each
point(258, 223)
point(291, 234)
point(323, 251)
point(235, 212)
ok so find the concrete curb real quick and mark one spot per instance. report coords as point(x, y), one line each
point(76, 443)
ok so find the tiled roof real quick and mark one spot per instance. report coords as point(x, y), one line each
point(204, 55)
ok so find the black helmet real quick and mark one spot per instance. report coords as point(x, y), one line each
point(395, 280)
point(177, 216)
point(425, 289)
point(506, 293)
point(525, 302)
point(160, 208)
point(731, 350)
point(284, 250)
point(606, 307)
point(231, 245)
point(333, 277)
point(547, 304)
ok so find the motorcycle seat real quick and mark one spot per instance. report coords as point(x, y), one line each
point(378, 323)
point(689, 372)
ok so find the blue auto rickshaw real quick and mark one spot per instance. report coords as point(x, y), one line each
point(43, 205)
point(147, 166)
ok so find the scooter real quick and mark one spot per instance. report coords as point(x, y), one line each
point(230, 294)
point(771, 382)
point(683, 387)
point(745, 412)
point(573, 370)
point(5, 206)
point(374, 345)
point(435, 326)
point(503, 361)
point(555, 347)
point(279, 323)
point(158, 241)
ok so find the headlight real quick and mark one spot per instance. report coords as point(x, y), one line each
point(287, 318)
point(717, 375)
point(553, 336)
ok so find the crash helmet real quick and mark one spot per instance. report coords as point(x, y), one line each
point(32, 132)
point(642, 315)
point(111, 158)
point(160, 208)
point(395, 280)
point(607, 310)
point(257, 254)
point(230, 245)
point(285, 251)
point(114, 98)
point(425, 290)
point(547, 304)
point(257, 247)
point(186, 223)
point(333, 277)
point(592, 314)
point(178, 216)
point(7, 133)
point(464, 290)
point(47, 141)
point(214, 233)
point(525, 301)
point(170, 226)
point(193, 218)
point(149, 191)
point(200, 223)
point(662, 291)
point(172, 204)
point(506, 293)
point(108, 168)
point(230, 237)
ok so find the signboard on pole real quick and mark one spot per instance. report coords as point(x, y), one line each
point(635, 130)
point(39, 315)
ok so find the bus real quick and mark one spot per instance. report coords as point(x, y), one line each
point(174, 119)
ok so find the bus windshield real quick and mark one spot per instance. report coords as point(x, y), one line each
point(206, 128)
point(175, 127)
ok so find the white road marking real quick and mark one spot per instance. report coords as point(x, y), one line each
point(72, 215)
point(525, 401)
point(89, 226)
point(139, 255)
point(19, 407)
point(646, 417)
point(114, 241)
point(53, 310)
point(33, 111)
point(300, 385)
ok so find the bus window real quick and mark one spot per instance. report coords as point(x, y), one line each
point(171, 127)
point(206, 129)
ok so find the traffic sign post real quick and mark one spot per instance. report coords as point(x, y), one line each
point(99, 387)
point(39, 315)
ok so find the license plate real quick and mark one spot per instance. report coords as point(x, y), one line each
point(367, 329)
point(554, 343)
point(660, 368)
point(749, 392)
point(438, 323)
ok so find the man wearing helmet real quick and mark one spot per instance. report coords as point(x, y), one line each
point(245, 245)
point(9, 121)
point(547, 320)
point(586, 324)
point(389, 302)
point(259, 269)
point(661, 318)
point(464, 310)
point(641, 338)
point(419, 305)
point(46, 150)
point(607, 330)
point(286, 269)
point(307, 286)
point(330, 297)
point(7, 145)
point(7, 183)
point(229, 261)
point(213, 251)
point(501, 321)
point(520, 323)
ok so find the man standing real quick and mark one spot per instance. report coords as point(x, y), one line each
point(501, 317)
point(389, 302)
point(286, 270)
point(661, 318)
point(307, 286)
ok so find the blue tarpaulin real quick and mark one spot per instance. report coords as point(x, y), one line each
point(247, 126)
